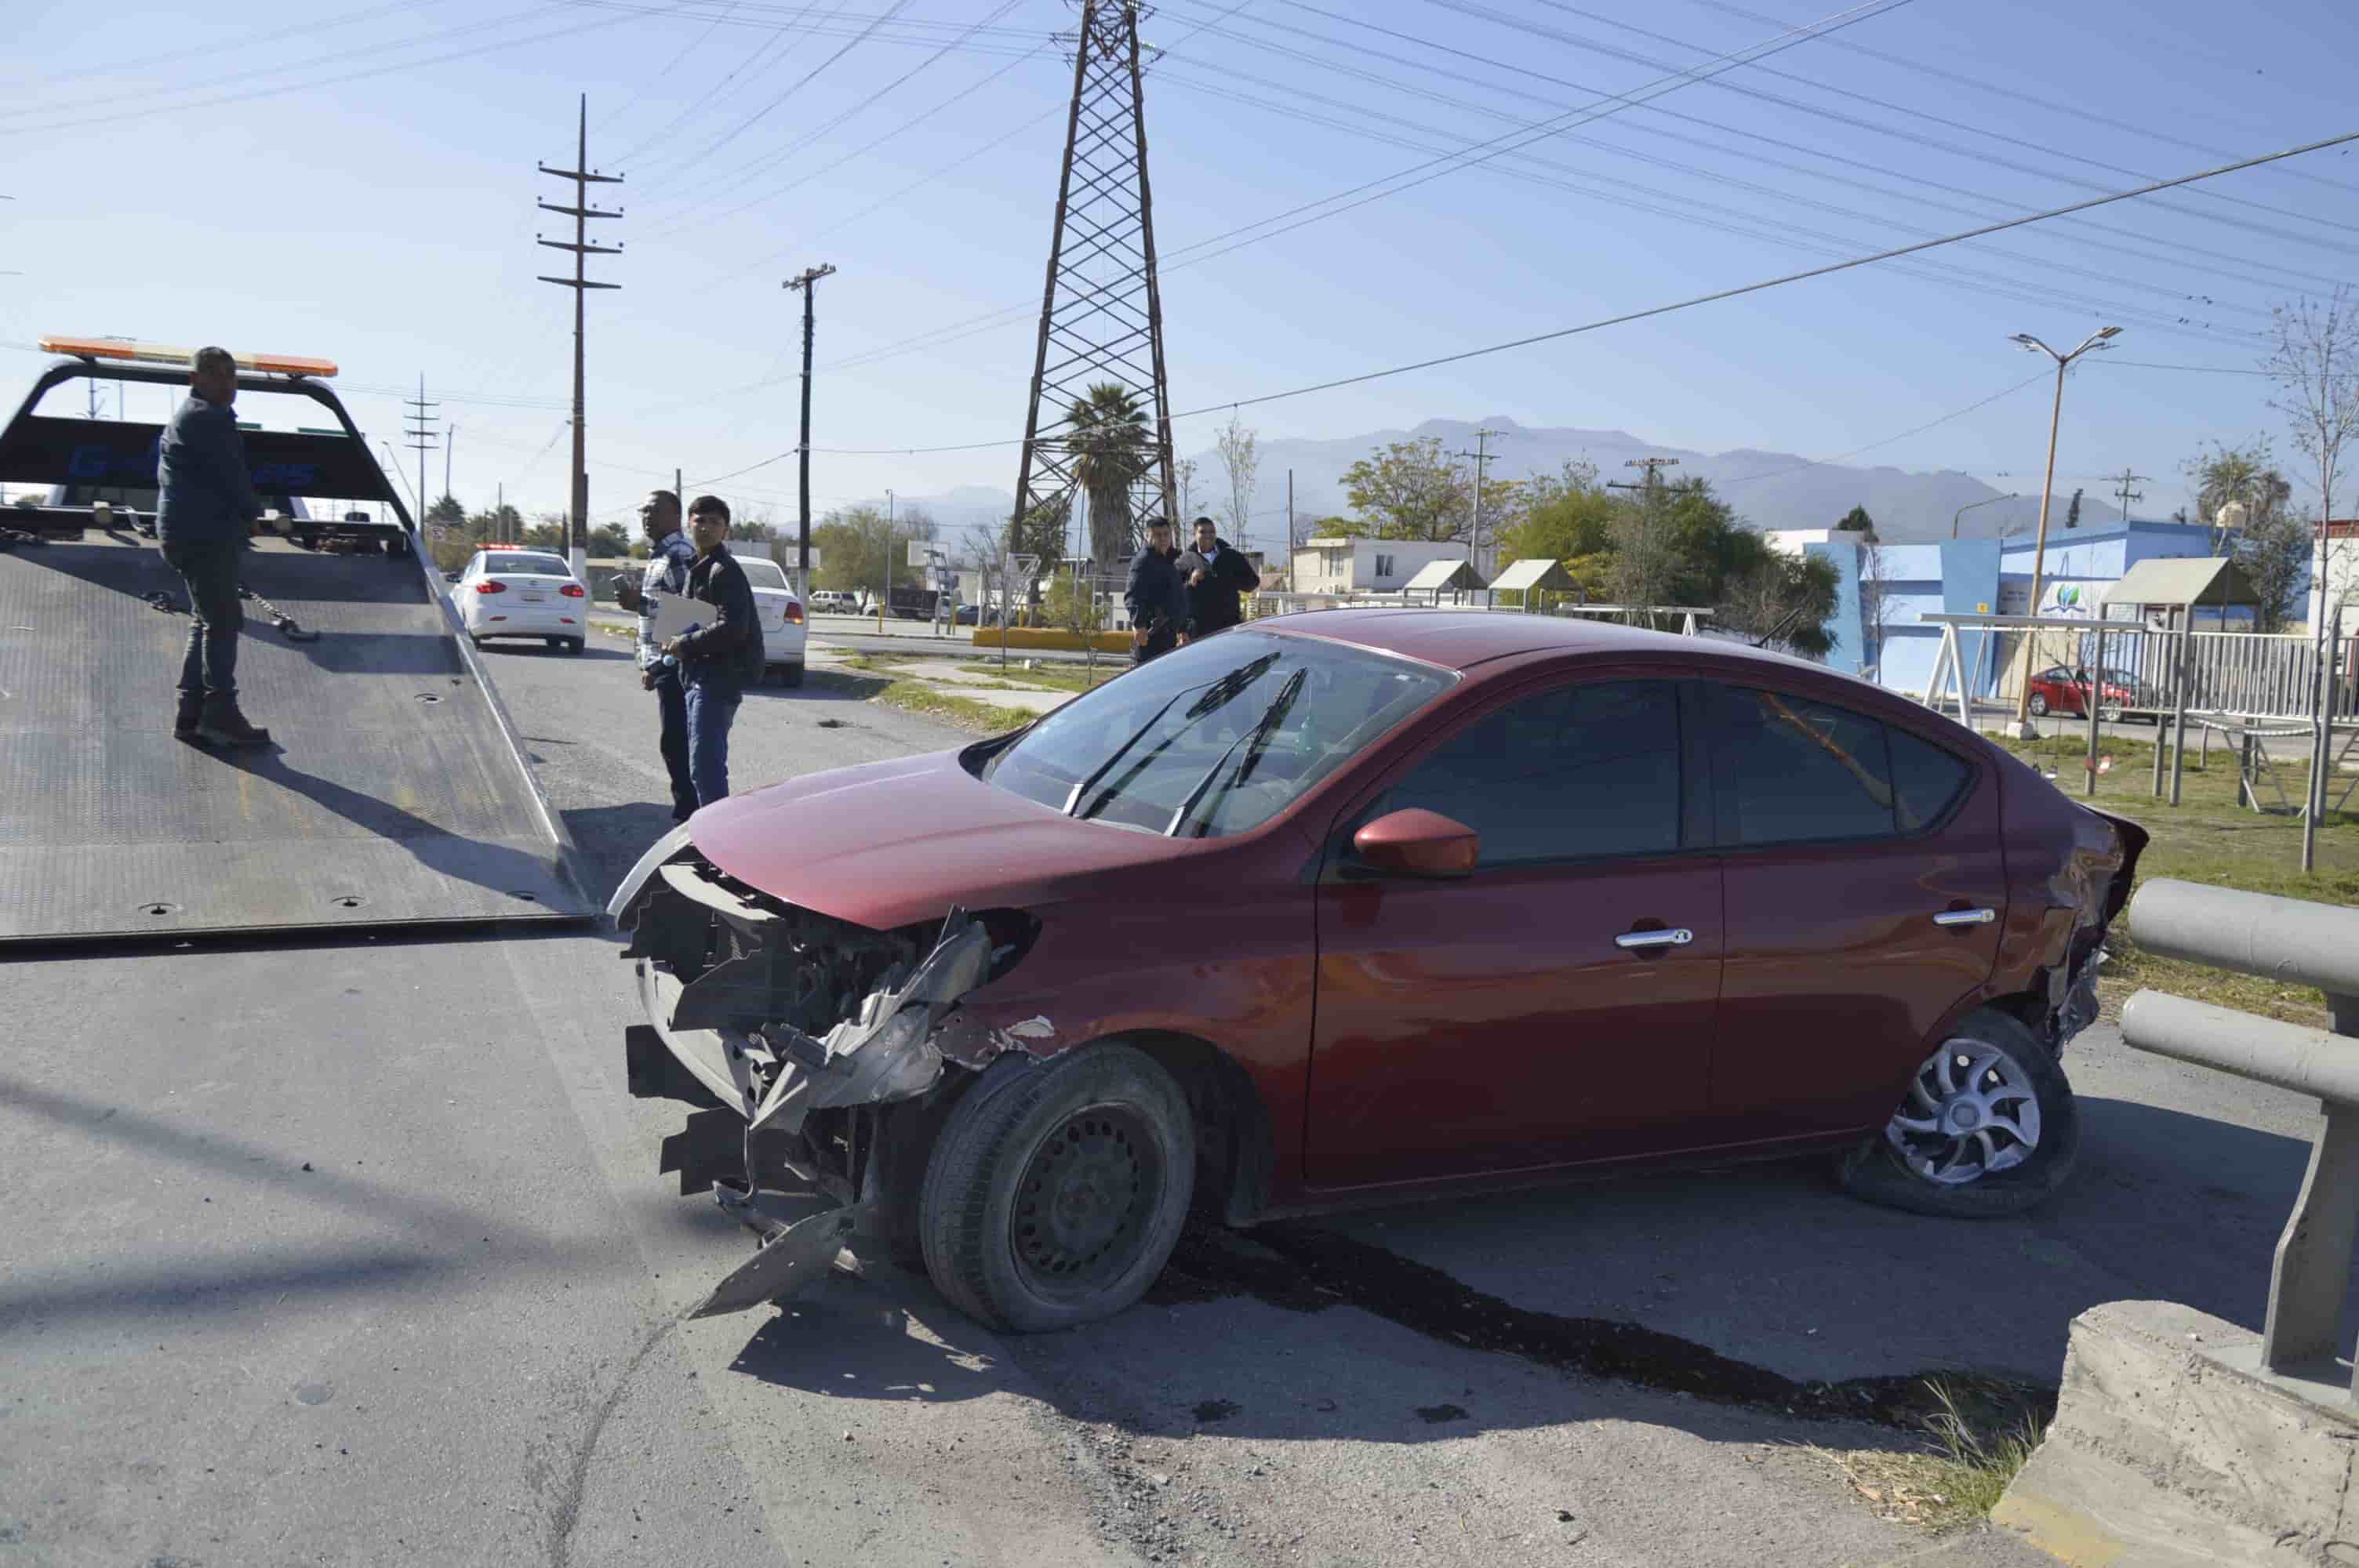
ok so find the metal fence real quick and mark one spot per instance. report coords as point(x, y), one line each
point(2244, 674)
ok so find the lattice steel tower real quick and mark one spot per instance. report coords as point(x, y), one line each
point(1101, 312)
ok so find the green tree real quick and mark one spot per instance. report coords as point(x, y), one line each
point(1106, 431)
point(2273, 546)
point(499, 525)
point(609, 541)
point(1408, 490)
point(549, 531)
point(446, 515)
point(855, 543)
point(2072, 513)
point(1564, 517)
point(1857, 521)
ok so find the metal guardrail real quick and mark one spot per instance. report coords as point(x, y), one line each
point(2298, 943)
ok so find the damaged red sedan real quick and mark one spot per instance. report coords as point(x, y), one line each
point(1357, 907)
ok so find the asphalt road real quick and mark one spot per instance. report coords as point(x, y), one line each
point(356, 1253)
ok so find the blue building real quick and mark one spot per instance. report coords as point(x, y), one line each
point(1971, 576)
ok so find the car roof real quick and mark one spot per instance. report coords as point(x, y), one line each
point(1462, 639)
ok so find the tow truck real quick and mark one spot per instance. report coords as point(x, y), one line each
point(398, 793)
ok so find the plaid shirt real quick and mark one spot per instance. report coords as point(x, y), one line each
point(667, 573)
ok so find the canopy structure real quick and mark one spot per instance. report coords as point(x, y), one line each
point(2212, 582)
point(1437, 577)
point(1541, 574)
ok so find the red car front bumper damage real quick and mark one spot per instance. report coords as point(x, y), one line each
point(792, 1030)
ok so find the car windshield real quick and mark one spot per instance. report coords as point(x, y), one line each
point(763, 574)
point(1215, 737)
point(527, 566)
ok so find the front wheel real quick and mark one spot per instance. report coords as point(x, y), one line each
point(1987, 1128)
point(2111, 712)
point(2039, 705)
point(1057, 1189)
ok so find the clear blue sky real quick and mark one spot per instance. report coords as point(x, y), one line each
point(229, 174)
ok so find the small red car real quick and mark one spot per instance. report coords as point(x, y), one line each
point(1356, 907)
point(2061, 690)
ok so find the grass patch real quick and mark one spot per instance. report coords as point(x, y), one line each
point(964, 712)
point(1957, 1476)
point(2208, 838)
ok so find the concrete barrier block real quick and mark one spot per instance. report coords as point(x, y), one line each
point(2164, 1452)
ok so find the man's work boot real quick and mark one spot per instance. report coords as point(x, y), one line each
point(224, 725)
point(185, 717)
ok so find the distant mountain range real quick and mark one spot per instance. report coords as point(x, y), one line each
point(1771, 490)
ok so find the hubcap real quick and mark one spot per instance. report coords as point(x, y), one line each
point(1972, 1112)
point(1082, 1209)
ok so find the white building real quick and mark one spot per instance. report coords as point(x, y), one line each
point(1365, 565)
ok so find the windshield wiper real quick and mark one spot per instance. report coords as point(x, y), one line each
point(1254, 742)
point(1216, 694)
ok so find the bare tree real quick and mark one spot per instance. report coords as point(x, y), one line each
point(1241, 455)
point(1183, 481)
point(2315, 364)
point(1645, 554)
point(1874, 606)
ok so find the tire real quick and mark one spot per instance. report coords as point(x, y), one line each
point(1032, 1137)
point(2030, 1081)
point(573, 644)
point(2039, 705)
point(2110, 713)
point(790, 674)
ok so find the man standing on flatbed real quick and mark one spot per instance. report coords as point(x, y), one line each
point(205, 508)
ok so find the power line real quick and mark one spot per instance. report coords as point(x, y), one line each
point(750, 121)
point(2036, 380)
point(314, 83)
point(1467, 7)
point(119, 67)
point(1995, 206)
point(2051, 102)
point(685, 50)
point(1690, 303)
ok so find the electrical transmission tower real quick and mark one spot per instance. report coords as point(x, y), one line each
point(1654, 467)
point(581, 212)
point(419, 434)
point(1101, 311)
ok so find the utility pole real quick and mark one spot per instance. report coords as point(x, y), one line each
point(2096, 340)
point(1480, 454)
point(1290, 527)
point(806, 283)
point(420, 435)
point(583, 178)
point(450, 444)
point(1654, 467)
point(500, 516)
point(2126, 493)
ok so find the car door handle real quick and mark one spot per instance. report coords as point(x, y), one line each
point(1965, 917)
point(1644, 939)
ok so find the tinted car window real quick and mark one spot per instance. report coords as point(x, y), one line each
point(1785, 770)
point(1215, 737)
point(1578, 771)
point(761, 573)
point(525, 566)
point(1925, 780)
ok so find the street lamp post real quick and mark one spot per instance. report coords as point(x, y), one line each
point(1970, 505)
point(2096, 340)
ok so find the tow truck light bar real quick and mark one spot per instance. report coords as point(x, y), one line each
point(166, 354)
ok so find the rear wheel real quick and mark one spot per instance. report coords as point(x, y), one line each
point(572, 644)
point(1988, 1127)
point(1057, 1189)
point(790, 674)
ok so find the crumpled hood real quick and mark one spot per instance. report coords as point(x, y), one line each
point(889, 844)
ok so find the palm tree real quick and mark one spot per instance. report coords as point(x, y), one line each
point(1107, 433)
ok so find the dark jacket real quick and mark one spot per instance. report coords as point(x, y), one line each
point(1212, 605)
point(1157, 592)
point(202, 489)
point(732, 639)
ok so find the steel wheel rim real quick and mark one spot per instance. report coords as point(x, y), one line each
point(1084, 1204)
point(1971, 1113)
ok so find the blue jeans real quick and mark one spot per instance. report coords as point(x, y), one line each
point(671, 701)
point(712, 697)
point(209, 568)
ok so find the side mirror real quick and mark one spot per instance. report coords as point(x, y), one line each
point(1418, 843)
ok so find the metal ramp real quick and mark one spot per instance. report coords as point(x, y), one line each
point(397, 793)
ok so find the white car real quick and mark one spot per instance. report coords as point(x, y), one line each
point(784, 632)
point(521, 593)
